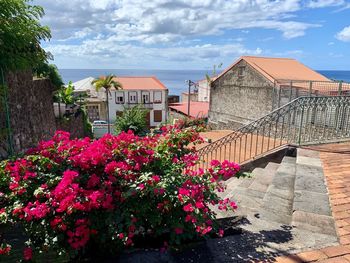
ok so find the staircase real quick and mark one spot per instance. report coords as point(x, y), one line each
point(303, 121)
point(291, 193)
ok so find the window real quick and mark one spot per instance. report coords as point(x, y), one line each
point(241, 71)
point(132, 97)
point(93, 112)
point(157, 97)
point(119, 98)
point(145, 98)
point(157, 116)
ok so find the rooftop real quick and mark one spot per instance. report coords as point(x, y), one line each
point(141, 83)
point(198, 109)
point(275, 69)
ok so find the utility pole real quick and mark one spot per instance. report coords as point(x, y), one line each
point(190, 84)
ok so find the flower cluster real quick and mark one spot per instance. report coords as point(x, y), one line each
point(73, 194)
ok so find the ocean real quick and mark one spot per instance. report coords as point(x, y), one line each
point(174, 80)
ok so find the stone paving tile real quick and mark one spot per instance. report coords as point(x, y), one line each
point(336, 167)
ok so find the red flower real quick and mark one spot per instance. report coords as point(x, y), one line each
point(27, 253)
point(188, 208)
point(178, 231)
point(5, 249)
point(156, 178)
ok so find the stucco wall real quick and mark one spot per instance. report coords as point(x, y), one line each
point(240, 98)
point(31, 113)
point(151, 106)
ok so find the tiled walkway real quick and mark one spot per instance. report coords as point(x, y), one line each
point(337, 171)
point(336, 164)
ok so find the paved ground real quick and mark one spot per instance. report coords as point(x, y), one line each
point(337, 172)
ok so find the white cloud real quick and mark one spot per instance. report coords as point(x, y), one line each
point(123, 32)
point(109, 54)
point(325, 3)
point(344, 35)
point(165, 20)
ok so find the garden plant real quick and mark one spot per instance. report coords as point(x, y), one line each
point(78, 196)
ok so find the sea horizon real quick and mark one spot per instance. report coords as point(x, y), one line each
point(173, 79)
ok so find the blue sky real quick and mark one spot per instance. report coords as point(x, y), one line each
point(196, 34)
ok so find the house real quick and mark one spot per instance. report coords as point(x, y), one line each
point(95, 102)
point(204, 90)
point(148, 92)
point(254, 86)
point(197, 110)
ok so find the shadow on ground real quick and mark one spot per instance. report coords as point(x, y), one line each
point(244, 247)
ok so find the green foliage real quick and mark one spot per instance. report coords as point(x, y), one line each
point(50, 71)
point(132, 119)
point(87, 124)
point(213, 74)
point(65, 94)
point(21, 34)
point(107, 83)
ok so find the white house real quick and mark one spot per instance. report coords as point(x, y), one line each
point(95, 101)
point(146, 91)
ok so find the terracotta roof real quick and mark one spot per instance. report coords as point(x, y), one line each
point(275, 69)
point(198, 109)
point(140, 83)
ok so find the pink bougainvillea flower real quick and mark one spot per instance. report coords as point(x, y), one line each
point(179, 231)
point(188, 208)
point(27, 253)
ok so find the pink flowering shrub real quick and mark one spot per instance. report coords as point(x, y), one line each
point(74, 195)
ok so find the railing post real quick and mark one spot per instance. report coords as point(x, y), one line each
point(279, 97)
point(291, 91)
point(301, 124)
point(310, 88)
point(340, 87)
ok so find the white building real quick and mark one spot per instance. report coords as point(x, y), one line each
point(146, 91)
point(203, 90)
point(95, 101)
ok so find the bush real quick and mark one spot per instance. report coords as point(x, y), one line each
point(133, 119)
point(78, 196)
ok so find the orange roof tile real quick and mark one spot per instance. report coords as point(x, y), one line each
point(198, 109)
point(275, 69)
point(140, 83)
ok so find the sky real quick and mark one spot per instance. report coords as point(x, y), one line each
point(195, 34)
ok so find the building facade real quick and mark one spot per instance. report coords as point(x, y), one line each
point(95, 101)
point(148, 92)
point(254, 86)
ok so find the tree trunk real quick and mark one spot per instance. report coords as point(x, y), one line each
point(109, 129)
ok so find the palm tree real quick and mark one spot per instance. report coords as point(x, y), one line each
point(107, 83)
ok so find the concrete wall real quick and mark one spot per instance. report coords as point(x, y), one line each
point(31, 113)
point(203, 90)
point(184, 97)
point(240, 98)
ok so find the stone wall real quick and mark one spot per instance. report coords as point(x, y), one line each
point(240, 98)
point(31, 113)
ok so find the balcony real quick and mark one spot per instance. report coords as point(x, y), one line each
point(142, 105)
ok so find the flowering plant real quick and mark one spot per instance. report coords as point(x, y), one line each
point(74, 195)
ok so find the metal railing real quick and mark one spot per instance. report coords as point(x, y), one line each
point(287, 90)
point(305, 120)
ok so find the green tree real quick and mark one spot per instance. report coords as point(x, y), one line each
point(132, 119)
point(65, 94)
point(50, 71)
point(21, 34)
point(213, 74)
point(107, 83)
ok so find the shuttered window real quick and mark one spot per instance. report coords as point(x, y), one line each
point(157, 116)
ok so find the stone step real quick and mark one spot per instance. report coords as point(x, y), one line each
point(311, 205)
point(278, 200)
point(263, 177)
